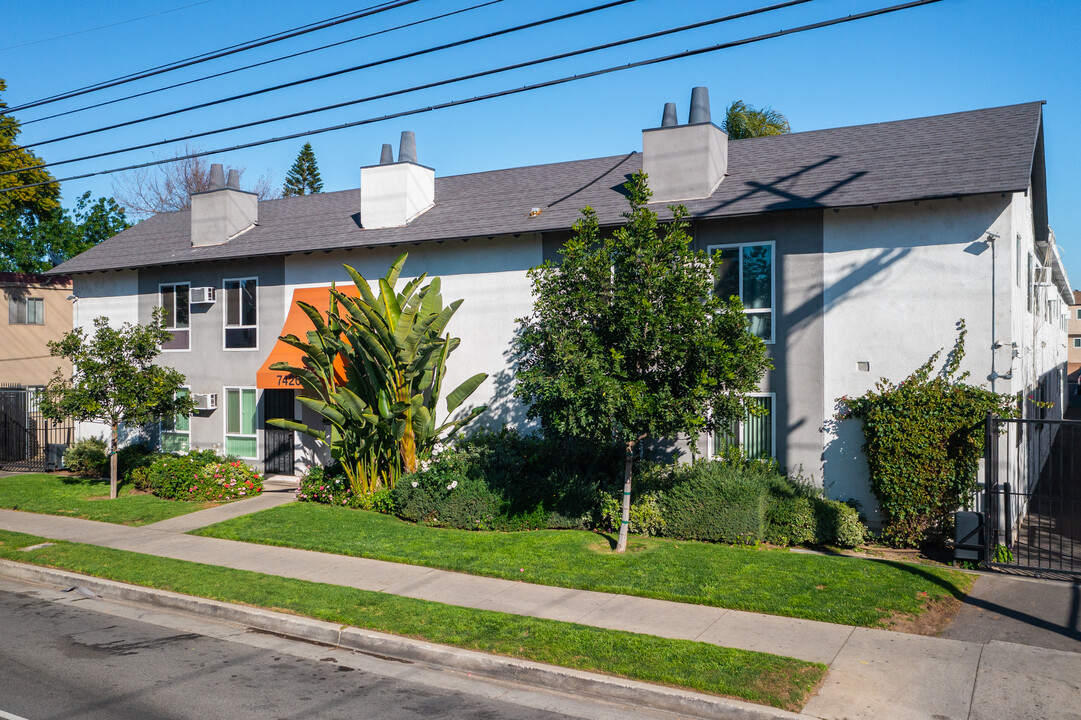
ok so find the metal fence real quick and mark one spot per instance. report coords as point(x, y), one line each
point(29, 442)
point(1032, 496)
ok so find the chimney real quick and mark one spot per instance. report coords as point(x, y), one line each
point(222, 212)
point(393, 194)
point(685, 162)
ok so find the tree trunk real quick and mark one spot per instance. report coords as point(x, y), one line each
point(628, 464)
point(112, 462)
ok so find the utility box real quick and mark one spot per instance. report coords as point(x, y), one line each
point(968, 536)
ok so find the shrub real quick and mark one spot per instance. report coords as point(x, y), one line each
point(646, 516)
point(838, 524)
point(923, 442)
point(791, 515)
point(508, 481)
point(202, 476)
point(717, 501)
point(87, 457)
point(330, 486)
point(131, 458)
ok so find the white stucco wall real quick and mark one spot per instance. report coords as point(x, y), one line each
point(896, 280)
point(490, 275)
point(114, 295)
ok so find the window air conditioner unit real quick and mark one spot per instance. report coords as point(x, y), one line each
point(201, 295)
point(205, 401)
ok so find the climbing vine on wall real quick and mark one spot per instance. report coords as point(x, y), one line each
point(924, 438)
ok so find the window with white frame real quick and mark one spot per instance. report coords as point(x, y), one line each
point(176, 431)
point(754, 434)
point(240, 412)
point(746, 271)
point(26, 311)
point(241, 320)
point(175, 302)
point(1077, 313)
point(1077, 342)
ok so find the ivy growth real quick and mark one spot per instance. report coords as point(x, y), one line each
point(924, 438)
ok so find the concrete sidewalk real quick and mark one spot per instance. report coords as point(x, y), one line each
point(873, 673)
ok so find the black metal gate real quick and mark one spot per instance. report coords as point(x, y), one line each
point(1032, 496)
point(29, 442)
point(277, 441)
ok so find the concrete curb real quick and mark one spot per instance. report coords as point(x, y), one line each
point(549, 677)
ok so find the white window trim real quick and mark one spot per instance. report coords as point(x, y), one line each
point(25, 302)
point(161, 428)
point(225, 314)
point(711, 450)
point(161, 304)
point(1077, 342)
point(225, 434)
point(710, 249)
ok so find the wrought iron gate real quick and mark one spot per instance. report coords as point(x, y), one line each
point(1032, 496)
point(29, 442)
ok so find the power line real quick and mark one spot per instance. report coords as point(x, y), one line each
point(215, 54)
point(103, 27)
point(416, 88)
point(502, 93)
point(403, 26)
point(335, 73)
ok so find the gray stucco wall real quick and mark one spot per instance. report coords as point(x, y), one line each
point(797, 350)
point(207, 365)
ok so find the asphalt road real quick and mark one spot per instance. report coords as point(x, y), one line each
point(66, 656)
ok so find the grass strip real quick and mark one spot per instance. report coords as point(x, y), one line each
point(756, 677)
point(88, 498)
point(837, 589)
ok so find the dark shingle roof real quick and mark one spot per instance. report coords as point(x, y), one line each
point(967, 153)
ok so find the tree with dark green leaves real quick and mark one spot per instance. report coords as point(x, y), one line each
point(303, 177)
point(627, 339)
point(30, 203)
point(114, 380)
point(743, 121)
point(34, 244)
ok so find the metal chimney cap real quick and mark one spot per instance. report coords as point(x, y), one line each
point(668, 118)
point(407, 151)
point(234, 180)
point(699, 106)
point(386, 156)
point(217, 176)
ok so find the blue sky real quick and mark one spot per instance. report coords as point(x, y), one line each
point(946, 57)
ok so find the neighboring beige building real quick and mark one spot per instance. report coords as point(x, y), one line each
point(38, 310)
point(1073, 357)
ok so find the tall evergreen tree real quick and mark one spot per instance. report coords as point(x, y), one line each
point(303, 177)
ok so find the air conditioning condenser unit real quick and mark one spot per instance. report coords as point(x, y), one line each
point(205, 401)
point(201, 295)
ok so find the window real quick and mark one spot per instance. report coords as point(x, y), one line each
point(241, 324)
point(175, 431)
point(1077, 342)
point(26, 311)
point(753, 434)
point(747, 272)
point(174, 299)
point(1078, 313)
point(240, 439)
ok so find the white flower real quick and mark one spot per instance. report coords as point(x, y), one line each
point(452, 485)
point(414, 483)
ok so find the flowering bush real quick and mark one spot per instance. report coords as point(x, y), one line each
point(330, 486)
point(202, 476)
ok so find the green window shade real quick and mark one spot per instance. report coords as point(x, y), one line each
point(758, 431)
point(240, 411)
point(174, 442)
point(182, 423)
point(244, 447)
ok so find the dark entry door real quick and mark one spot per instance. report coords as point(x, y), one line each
point(278, 442)
point(13, 430)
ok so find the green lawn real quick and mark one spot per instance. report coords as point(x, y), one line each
point(87, 498)
point(836, 589)
point(756, 677)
